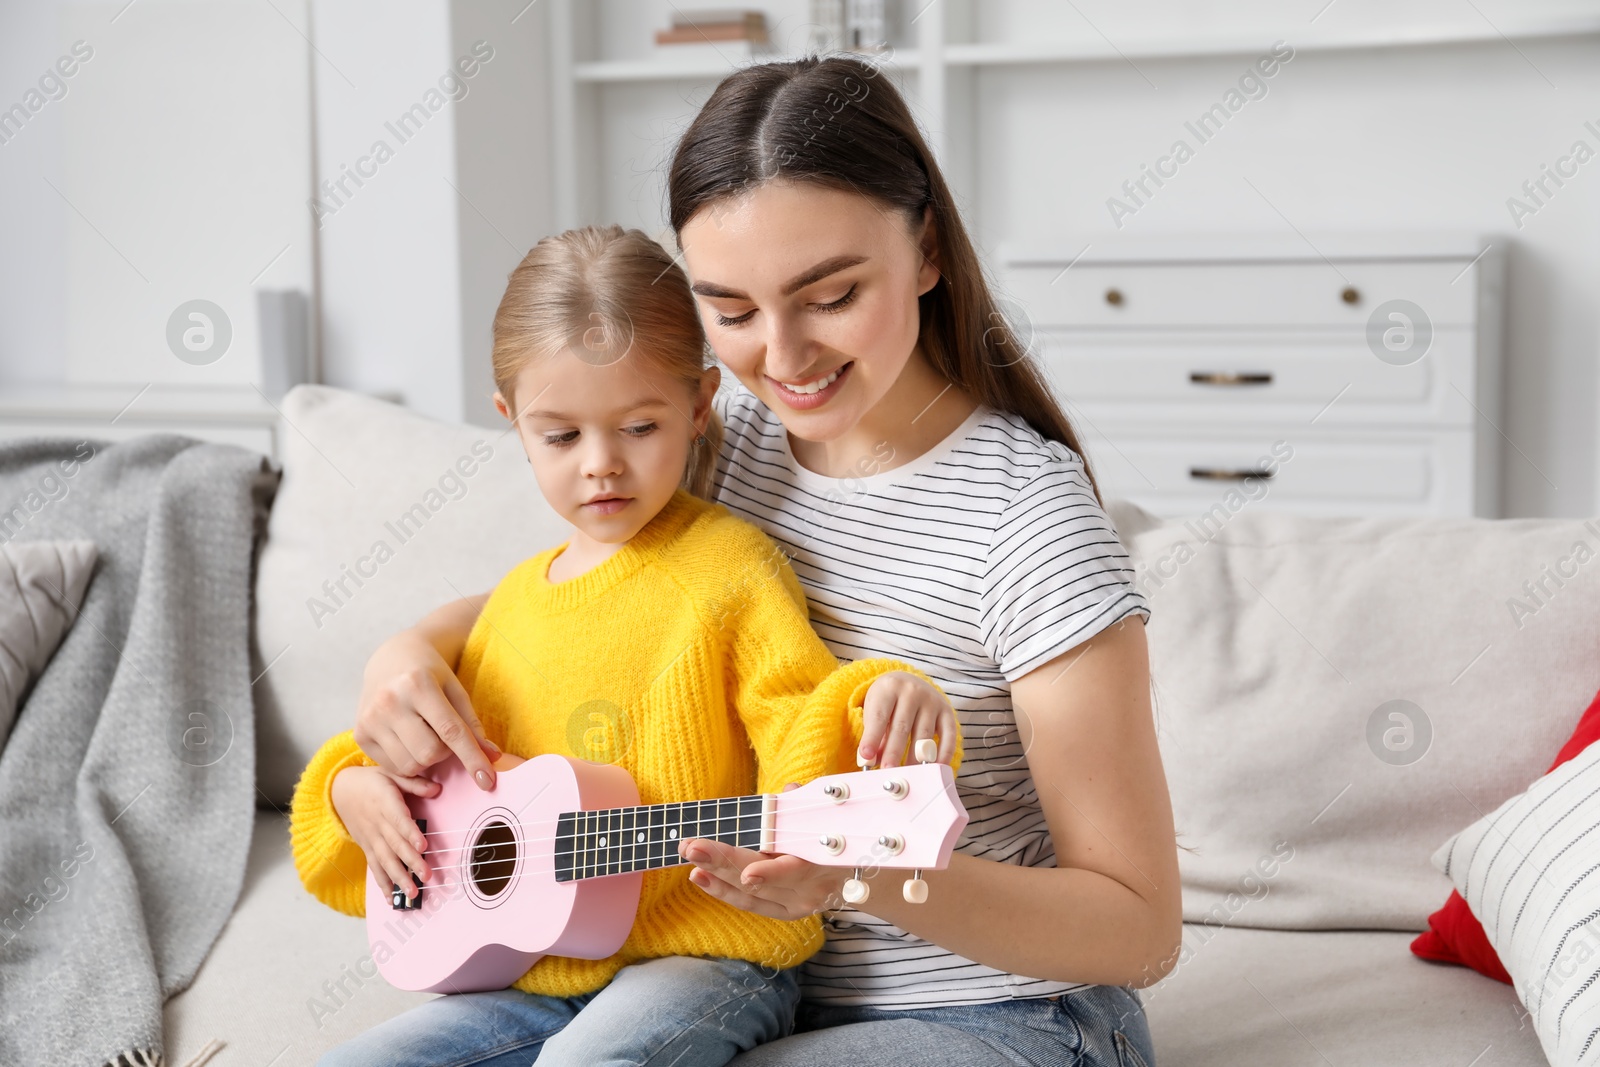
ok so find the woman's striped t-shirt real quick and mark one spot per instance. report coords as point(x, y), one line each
point(979, 560)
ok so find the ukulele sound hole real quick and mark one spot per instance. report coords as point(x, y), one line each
point(494, 857)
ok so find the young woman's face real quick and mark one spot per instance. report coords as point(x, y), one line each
point(608, 443)
point(809, 295)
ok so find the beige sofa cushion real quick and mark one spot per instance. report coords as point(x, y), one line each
point(1335, 697)
point(41, 588)
point(1291, 998)
point(382, 516)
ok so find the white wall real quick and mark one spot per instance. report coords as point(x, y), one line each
point(414, 259)
point(173, 167)
point(185, 161)
point(391, 311)
point(503, 171)
point(33, 259)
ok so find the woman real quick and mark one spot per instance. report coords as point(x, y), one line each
point(893, 439)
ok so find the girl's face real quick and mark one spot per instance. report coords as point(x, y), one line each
point(809, 295)
point(608, 443)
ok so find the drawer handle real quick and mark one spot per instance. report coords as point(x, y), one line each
point(1114, 297)
point(1350, 295)
point(1220, 378)
point(1218, 474)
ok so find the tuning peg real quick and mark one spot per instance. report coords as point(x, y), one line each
point(915, 889)
point(855, 890)
point(927, 750)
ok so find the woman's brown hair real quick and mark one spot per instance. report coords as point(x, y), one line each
point(834, 121)
point(604, 293)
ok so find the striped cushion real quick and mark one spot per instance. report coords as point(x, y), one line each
point(1530, 871)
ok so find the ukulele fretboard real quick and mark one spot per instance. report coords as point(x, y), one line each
point(593, 844)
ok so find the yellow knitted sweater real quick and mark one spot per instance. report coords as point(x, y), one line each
point(686, 658)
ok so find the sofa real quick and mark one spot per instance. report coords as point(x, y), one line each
point(1333, 697)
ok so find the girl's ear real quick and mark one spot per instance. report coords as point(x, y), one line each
point(501, 406)
point(710, 379)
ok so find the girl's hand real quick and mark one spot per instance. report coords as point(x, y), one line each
point(369, 801)
point(414, 713)
point(371, 804)
point(901, 709)
point(777, 886)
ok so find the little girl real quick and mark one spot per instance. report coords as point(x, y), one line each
point(666, 636)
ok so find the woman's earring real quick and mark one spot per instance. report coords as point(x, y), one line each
point(700, 441)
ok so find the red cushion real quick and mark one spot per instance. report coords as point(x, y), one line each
point(1454, 934)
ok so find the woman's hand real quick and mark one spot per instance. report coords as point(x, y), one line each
point(898, 709)
point(414, 713)
point(777, 886)
point(370, 803)
point(901, 709)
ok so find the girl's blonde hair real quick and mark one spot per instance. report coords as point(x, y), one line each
point(605, 293)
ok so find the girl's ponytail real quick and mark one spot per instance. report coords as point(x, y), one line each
point(703, 460)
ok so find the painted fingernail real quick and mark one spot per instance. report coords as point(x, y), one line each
point(754, 881)
point(483, 780)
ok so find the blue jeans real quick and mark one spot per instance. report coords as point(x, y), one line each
point(680, 1010)
point(718, 1008)
point(1100, 1026)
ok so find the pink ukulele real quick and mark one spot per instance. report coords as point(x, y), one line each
point(551, 861)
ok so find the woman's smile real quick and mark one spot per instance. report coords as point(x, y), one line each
point(812, 393)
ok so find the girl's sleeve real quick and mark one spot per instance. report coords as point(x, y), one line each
point(801, 708)
point(1058, 574)
point(330, 863)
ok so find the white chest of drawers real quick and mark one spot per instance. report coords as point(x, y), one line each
point(1329, 375)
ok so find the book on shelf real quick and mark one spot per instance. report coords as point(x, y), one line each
point(701, 24)
point(700, 34)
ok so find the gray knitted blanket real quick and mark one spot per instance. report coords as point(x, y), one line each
point(127, 787)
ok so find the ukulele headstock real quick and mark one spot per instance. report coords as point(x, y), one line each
point(899, 817)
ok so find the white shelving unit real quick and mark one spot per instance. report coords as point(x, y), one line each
point(937, 48)
point(1192, 363)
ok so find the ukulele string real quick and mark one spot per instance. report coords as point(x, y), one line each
point(550, 871)
point(788, 809)
point(776, 832)
point(587, 859)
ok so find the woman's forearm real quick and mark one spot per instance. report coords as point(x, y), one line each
point(1066, 924)
point(446, 628)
